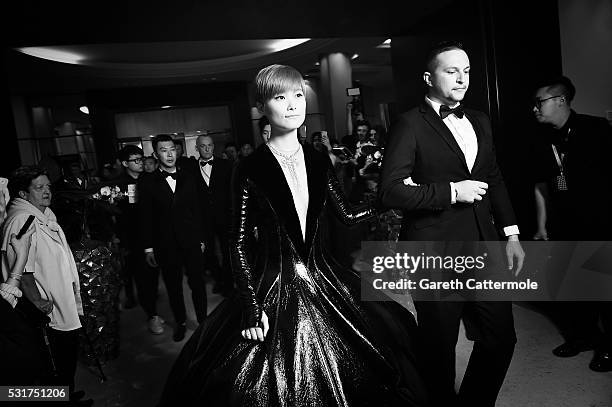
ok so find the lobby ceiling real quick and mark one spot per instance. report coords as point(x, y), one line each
point(88, 66)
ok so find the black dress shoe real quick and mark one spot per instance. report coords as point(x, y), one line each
point(602, 362)
point(179, 332)
point(569, 349)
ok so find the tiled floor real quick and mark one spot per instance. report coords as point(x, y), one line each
point(536, 378)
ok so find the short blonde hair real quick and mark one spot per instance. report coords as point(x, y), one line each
point(275, 79)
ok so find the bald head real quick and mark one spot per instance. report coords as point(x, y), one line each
point(205, 146)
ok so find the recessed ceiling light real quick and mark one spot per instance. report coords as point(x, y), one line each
point(53, 54)
point(355, 56)
point(385, 44)
point(280, 45)
point(84, 109)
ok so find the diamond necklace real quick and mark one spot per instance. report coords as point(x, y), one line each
point(288, 161)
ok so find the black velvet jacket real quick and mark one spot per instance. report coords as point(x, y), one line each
point(262, 199)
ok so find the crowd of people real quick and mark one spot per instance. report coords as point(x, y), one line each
point(292, 330)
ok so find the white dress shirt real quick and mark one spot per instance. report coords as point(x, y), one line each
point(462, 131)
point(205, 170)
point(171, 181)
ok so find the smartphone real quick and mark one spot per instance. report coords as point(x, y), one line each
point(25, 226)
point(341, 150)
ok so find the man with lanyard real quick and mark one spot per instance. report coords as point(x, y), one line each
point(572, 203)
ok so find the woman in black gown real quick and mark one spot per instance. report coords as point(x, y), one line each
point(306, 339)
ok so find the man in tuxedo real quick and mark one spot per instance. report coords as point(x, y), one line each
point(128, 231)
point(440, 169)
point(76, 179)
point(214, 176)
point(173, 231)
point(572, 162)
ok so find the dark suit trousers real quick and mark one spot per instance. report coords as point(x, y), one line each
point(579, 322)
point(171, 261)
point(21, 347)
point(146, 279)
point(65, 349)
point(218, 261)
point(491, 324)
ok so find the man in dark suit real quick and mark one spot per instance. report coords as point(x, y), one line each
point(214, 176)
point(173, 230)
point(573, 161)
point(441, 170)
point(128, 231)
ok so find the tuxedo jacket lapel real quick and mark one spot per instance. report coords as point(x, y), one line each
point(479, 136)
point(214, 174)
point(164, 188)
point(316, 171)
point(432, 118)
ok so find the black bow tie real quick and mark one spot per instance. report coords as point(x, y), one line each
point(457, 111)
point(204, 163)
point(167, 174)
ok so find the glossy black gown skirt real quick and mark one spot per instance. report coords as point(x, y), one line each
point(324, 348)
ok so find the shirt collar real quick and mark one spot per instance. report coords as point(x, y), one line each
point(205, 161)
point(568, 123)
point(436, 106)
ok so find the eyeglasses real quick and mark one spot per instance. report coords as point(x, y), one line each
point(538, 102)
point(136, 160)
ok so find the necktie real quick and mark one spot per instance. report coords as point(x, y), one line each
point(204, 163)
point(167, 174)
point(457, 111)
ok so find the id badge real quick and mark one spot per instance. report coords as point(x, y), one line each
point(560, 183)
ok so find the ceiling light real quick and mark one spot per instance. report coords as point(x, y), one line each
point(84, 109)
point(280, 45)
point(355, 56)
point(385, 44)
point(53, 54)
point(166, 106)
point(317, 63)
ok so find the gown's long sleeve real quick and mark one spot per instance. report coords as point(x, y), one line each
point(240, 235)
point(348, 214)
